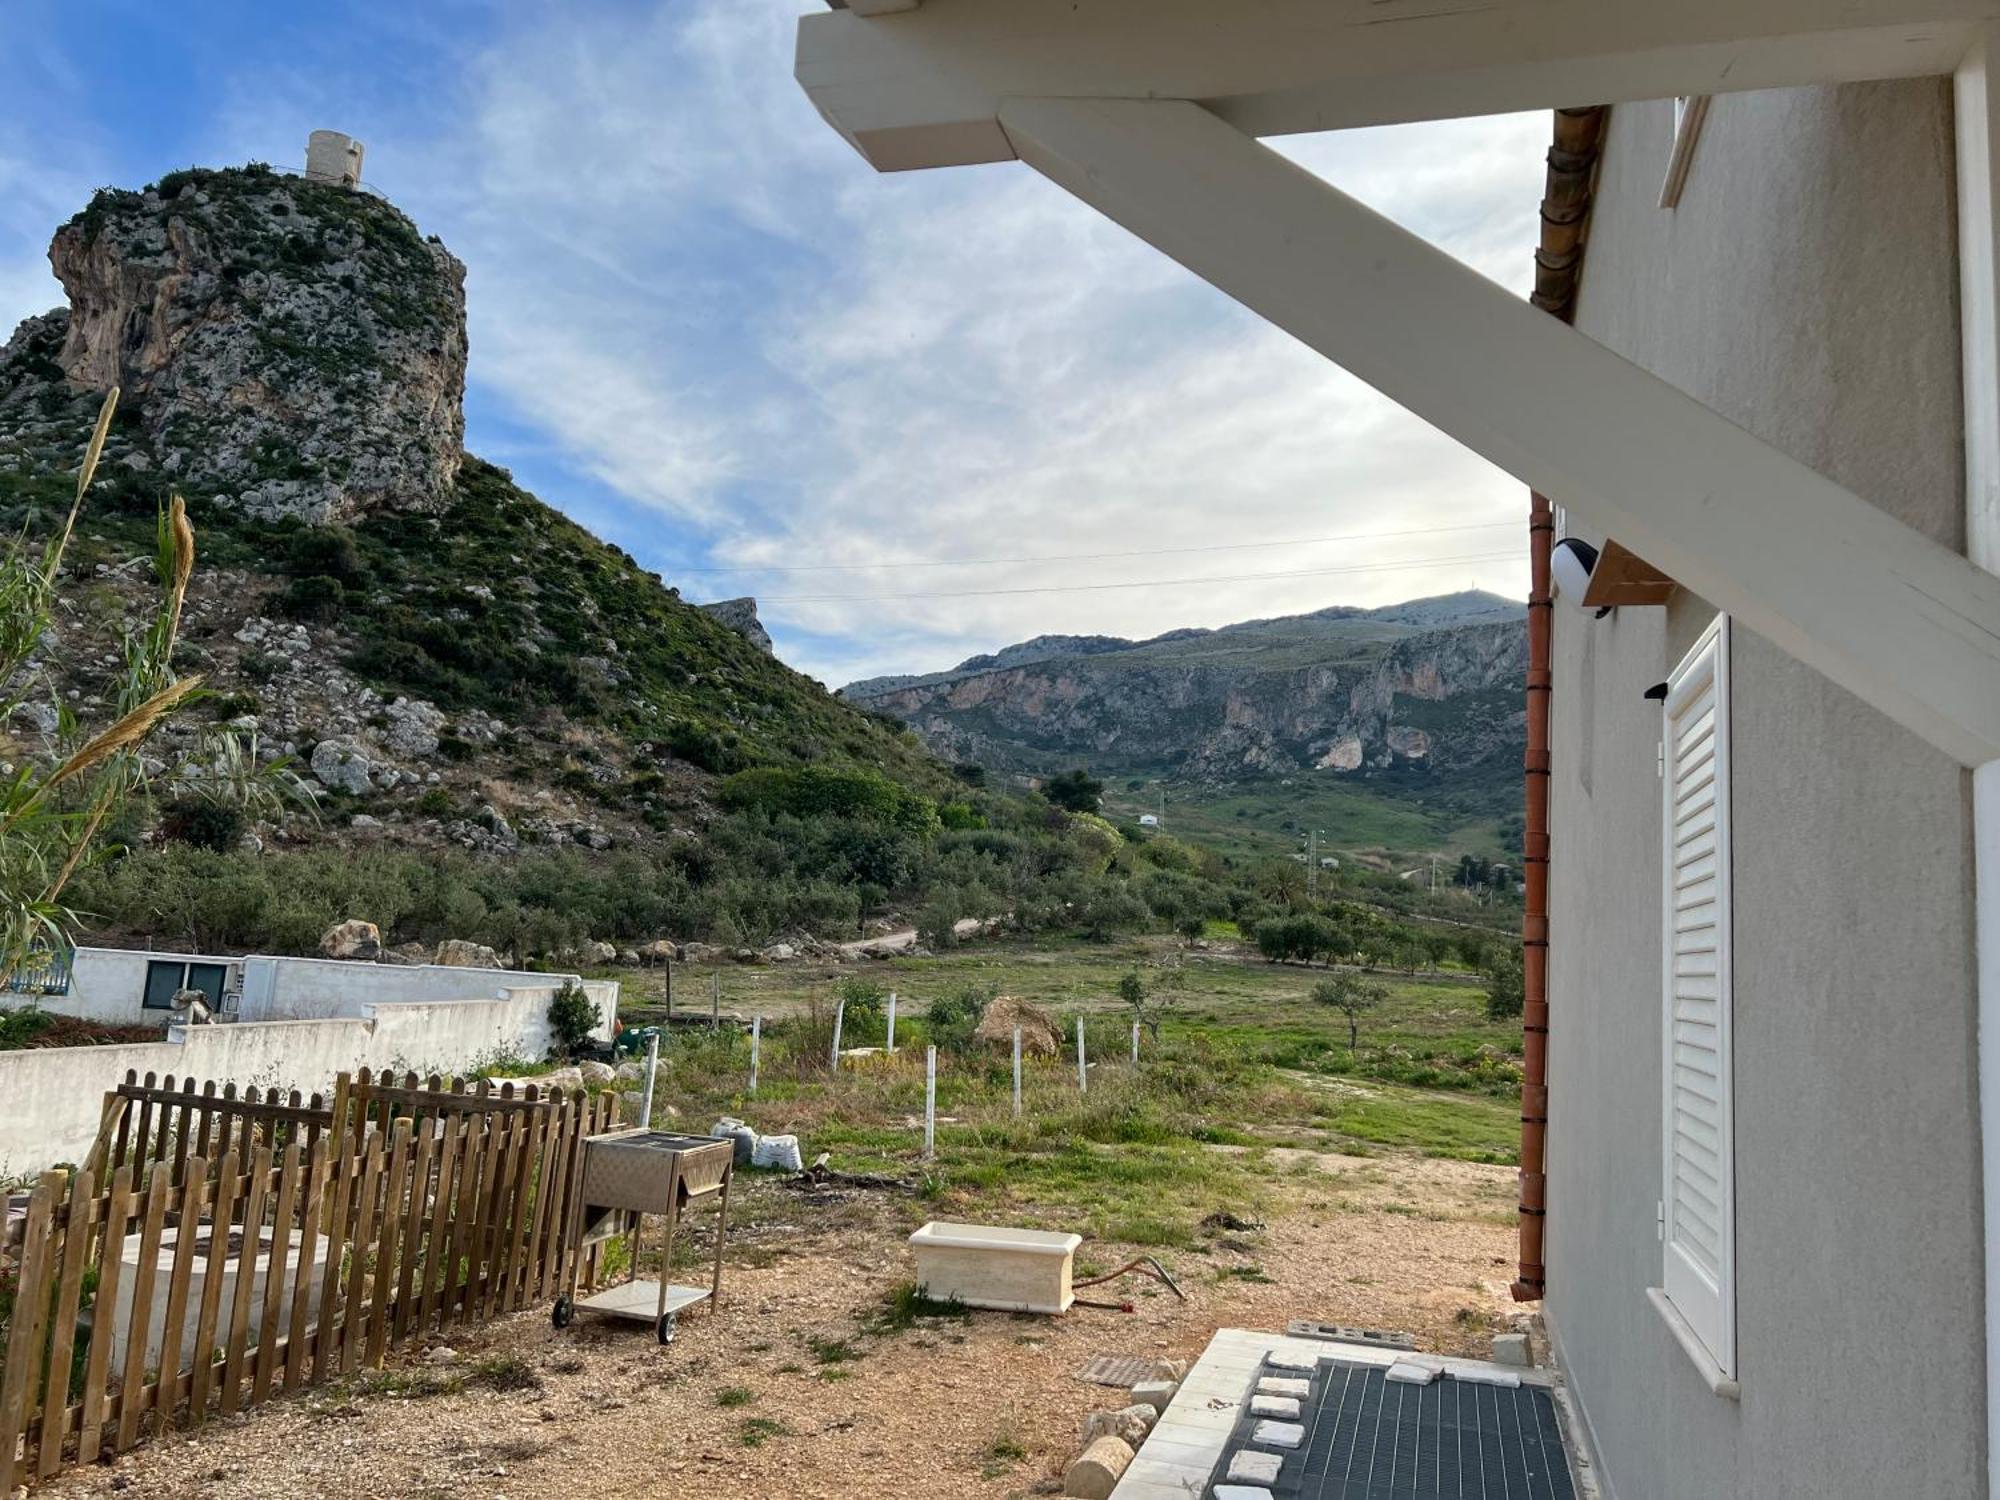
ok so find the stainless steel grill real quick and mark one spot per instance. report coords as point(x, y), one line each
point(625, 1175)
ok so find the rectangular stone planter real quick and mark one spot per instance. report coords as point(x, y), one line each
point(1012, 1270)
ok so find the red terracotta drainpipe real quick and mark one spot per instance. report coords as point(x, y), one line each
point(1535, 913)
point(1572, 178)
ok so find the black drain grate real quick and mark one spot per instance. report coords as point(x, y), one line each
point(1369, 1438)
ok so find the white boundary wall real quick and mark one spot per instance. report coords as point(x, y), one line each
point(51, 1098)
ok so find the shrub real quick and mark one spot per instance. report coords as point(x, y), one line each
point(1075, 791)
point(822, 791)
point(313, 597)
point(202, 824)
point(572, 1018)
point(952, 1019)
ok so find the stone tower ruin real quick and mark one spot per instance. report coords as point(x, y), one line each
point(333, 157)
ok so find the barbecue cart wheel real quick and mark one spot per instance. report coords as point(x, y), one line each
point(560, 1313)
point(665, 1328)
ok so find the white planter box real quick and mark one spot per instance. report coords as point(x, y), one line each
point(162, 1277)
point(1013, 1270)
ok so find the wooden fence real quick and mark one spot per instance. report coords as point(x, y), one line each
point(215, 1250)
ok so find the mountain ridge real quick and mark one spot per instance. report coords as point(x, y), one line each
point(1402, 694)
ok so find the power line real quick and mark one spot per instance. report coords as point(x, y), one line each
point(981, 562)
point(1412, 565)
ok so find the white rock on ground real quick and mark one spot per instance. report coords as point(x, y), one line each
point(1154, 1393)
point(1284, 1385)
point(1128, 1424)
point(1097, 1470)
point(1273, 1406)
point(1241, 1492)
point(597, 1072)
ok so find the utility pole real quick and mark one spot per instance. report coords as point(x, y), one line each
point(1161, 787)
point(1312, 865)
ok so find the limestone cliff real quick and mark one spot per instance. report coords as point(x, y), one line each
point(294, 348)
point(1432, 684)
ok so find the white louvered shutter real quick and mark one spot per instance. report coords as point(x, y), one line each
point(1699, 1187)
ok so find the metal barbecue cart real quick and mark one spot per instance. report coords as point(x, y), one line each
point(625, 1175)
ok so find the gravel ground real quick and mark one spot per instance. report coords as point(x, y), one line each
point(984, 1406)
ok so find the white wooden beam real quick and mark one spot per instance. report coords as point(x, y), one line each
point(924, 88)
point(1910, 626)
point(1976, 90)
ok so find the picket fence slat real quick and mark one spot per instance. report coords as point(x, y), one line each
point(203, 1354)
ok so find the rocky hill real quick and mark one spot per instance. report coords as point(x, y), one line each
point(453, 661)
point(1404, 695)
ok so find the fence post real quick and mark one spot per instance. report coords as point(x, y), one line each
point(1017, 1072)
point(930, 1103)
point(670, 990)
point(839, 1016)
point(653, 1067)
point(1135, 1044)
point(715, 1001)
point(756, 1036)
point(892, 1023)
point(1082, 1078)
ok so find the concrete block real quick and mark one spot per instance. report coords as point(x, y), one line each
point(1097, 1470)
point(983, 1265)
point(1255, 1468)
point(1241, 1492)
point(1274, 1406)
point(1403, 1372)
point(1513, 1349)
point(1284, 1385)
point(1154, 1393)
point(1284, 1359)
point(1279, 1434)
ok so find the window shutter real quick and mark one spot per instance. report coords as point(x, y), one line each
point(1699, 1159)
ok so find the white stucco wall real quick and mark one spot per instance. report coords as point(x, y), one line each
point(51, 1098)
point(109, 984)
point(1806, 289)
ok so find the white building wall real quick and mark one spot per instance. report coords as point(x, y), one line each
point(1806, 289)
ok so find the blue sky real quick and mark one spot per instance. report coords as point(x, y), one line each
point(704, 328)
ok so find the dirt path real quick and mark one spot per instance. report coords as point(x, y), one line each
point(986, 1406)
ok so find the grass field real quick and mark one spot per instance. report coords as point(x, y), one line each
point(1268, 817)
point(1246, 1068)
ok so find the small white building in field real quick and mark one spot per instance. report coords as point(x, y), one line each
point(1149, 820)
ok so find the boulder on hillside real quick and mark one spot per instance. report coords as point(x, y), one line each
point(599, 954)
point(459, 953)
point(1040, 1036)
point(659, 951)
point(341, 765)
point(355, 939)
